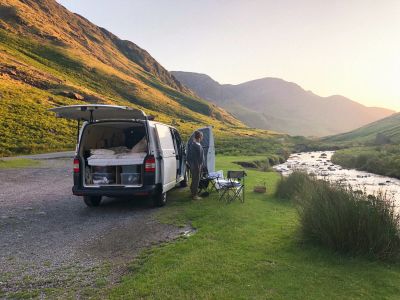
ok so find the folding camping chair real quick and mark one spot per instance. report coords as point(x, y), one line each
point(233, 187)
point(213, 178)
point(208, 181)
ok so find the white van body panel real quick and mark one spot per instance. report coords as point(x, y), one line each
point(168, 157)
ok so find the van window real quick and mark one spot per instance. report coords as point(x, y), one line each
point(164, 134)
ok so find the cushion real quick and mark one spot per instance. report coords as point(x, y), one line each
point(140, 146)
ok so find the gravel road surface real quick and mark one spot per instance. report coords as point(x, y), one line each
point(49, 240)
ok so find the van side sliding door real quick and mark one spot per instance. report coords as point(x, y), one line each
point(180, 151)
point(168, 157)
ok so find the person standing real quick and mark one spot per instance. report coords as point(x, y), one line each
point(195, 160)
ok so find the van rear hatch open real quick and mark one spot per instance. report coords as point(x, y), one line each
point(93, 112)
point(113, 144)
point(113, 153)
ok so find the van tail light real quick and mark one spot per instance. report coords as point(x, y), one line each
point(76, 165)
point(150, 164)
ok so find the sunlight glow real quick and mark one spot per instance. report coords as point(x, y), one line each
point(330, 47)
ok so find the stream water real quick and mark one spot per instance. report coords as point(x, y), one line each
point(319, 164)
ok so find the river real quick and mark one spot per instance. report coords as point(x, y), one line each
point(319, 164)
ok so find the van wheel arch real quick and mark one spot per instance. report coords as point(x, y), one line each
point(160, 199)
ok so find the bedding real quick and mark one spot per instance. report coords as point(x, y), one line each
point(119, 156)
point(101, 152)
point(117, 159)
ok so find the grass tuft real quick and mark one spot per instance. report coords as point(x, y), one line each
point(288, 187)
point(344, 220)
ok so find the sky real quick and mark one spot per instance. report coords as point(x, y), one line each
point(346, 47)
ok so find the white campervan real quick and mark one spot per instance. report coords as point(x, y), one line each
point(122, 152)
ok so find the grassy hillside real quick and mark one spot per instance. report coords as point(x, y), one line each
point(51, 57)
point(375, 133)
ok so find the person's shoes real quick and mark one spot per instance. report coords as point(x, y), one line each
point(196, 198)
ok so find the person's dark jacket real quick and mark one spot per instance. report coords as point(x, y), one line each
point(195, 157)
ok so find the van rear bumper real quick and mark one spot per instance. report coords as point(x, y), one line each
point(148, 190)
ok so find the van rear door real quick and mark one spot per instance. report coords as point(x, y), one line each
point(168, 157)
point(208, 146)
point(93, 112)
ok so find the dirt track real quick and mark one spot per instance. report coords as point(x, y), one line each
point(50, 239)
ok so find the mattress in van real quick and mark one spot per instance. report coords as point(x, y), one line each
point(117, 159)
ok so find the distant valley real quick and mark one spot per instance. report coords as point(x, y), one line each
point(275, 104)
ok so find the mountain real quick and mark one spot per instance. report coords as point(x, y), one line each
point(275, 104)
point(386, 130)
point(50, 56)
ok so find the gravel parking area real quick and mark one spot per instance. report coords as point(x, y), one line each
point(50, 242)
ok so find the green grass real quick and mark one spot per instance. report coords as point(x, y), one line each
point(25, 295)
point(249, 251)
point(18, 163)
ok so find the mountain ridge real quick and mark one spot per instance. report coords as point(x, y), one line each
point(275, 104)
point(50, 56)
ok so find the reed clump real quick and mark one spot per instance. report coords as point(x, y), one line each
point(344, 220)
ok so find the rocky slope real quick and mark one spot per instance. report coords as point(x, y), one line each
point(50, 56)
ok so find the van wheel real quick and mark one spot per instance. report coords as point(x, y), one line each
point(92, 201)
point(160, 200)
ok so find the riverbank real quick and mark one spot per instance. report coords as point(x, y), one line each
point(382, 160)
point(249, 251)
point(321, 165)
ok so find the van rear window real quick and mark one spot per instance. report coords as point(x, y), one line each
point(111, 135)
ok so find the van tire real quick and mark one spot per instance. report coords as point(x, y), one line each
point(160, 199)
point(92, 201)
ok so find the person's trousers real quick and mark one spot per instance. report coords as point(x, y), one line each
point(196, 174)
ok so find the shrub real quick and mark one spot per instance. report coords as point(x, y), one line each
point(344, 220)
point(383, 160)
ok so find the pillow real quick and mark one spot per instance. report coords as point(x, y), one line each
point(140, 146)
